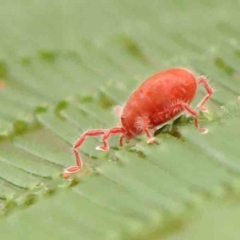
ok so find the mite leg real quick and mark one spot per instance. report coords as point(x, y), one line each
point(78, 143)
point(127, 140)
point(188, 109)
point(121, 140)
point(109, 133)
point(203, 80)
point(143, 124)
point(150, 139)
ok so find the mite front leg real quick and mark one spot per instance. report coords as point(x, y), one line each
point(108, 134)
point(121, 140)
point(209, 90)
point(78, 143)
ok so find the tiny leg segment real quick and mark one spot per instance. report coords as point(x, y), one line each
point(121, 140)
point(150, 139)
point(144, 125)
point(209, 90)
point(109, 133)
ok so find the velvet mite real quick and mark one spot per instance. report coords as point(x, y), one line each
point(156, 101)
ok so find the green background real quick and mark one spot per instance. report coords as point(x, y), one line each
point(65, 64)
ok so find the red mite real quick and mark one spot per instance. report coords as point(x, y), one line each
point(160, 98)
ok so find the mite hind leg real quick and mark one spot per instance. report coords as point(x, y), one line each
point(190, 111)
point(209, 90)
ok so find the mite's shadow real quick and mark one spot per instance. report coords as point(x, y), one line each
point(173, 128)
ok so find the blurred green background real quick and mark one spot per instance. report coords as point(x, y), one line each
point(64, 65)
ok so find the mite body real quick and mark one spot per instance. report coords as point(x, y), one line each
point(157, 100)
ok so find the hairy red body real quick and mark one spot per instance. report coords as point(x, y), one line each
point(157, 100)
point(154, 97)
